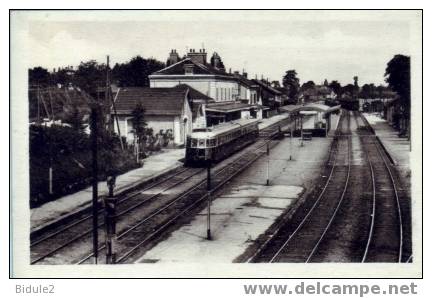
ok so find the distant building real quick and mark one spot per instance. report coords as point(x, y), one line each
point(270, 97)
point(178, 109)
point(318, 93)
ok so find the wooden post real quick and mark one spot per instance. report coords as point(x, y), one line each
point(208, 199)
point(94, 137)
point(268, 165)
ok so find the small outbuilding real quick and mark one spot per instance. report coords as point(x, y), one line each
point(178, 109)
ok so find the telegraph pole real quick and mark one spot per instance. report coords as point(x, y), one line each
point(94, 139)
point(208, 198)
point(268, 164)
point(291, 137)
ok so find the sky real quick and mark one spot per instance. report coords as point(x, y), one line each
point(319, 45)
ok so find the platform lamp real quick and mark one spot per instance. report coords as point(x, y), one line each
point(185, 120)
point(208, 164)
point(301, 129)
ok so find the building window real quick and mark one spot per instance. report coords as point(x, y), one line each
point(188, 69)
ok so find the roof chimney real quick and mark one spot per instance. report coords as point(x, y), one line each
point(173, 57)
point(198, 57)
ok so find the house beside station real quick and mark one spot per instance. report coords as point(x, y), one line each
point(270, 97)
point(179, 109)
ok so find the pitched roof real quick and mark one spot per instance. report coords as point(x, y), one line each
point(267, 87)
point(198, 68)
point(229, 106)
point(246, 82)
point(194, 94)
point(155, 101)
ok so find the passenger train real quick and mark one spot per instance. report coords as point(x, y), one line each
point(213, 144)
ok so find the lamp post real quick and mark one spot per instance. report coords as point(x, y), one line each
point(291, 136)
point(185, 120)
point(208, 198)
point(94, 138)
point(268, 165)
point(301, 129)
point(110, 220)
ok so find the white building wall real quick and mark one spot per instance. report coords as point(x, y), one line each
point(245, 114)
point(157, 123)
point(218, 89)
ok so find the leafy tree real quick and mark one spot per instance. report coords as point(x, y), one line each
point(275, 84)
point(76, 119)
point(63, 77)
point(307, 85)
point(135, 72)
point(336, 87)
point(349, 89)
point(397, 75)
point(292, 84)
point(39, 76)
point(90, 75)
point(368, 91)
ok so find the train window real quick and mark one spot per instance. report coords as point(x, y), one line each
point(201, 143)
point(211, 143)
point(194, 143)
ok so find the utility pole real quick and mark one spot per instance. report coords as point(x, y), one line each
point(107, 98)
point(268, 164)
point(291, 137)
point(301, 130)
point(110, 221)
point(208, 198)
point(94, 139)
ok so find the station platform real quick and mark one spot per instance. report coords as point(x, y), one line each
point(247, 208)
point(398, 148)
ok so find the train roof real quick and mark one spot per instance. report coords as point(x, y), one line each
point(222, 128)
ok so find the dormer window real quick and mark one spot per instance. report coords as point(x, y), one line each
point(188, 69)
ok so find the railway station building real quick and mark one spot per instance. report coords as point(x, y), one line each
point(234, 94)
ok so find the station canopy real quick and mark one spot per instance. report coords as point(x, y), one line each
point(314, 107)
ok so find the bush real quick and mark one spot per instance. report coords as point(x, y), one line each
point(69, 152)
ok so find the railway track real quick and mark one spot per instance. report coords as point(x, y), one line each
point(130, 242)
point(389, 238)
point(300, 240)
point(369, 222)
point(47, 246)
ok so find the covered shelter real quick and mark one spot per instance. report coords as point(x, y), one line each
point(314, 117)
point(219, 112)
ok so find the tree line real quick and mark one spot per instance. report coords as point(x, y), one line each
point(397, 76)
point(91, 74)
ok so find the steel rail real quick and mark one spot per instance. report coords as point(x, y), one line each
point(191, 206)
point(225, 168)
point(372, 222)
point(285, 244)
point(396, 196)
point(341, 199)
point(34, 243)
point(88, 231)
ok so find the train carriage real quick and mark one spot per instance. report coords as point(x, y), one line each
point(217, 143)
